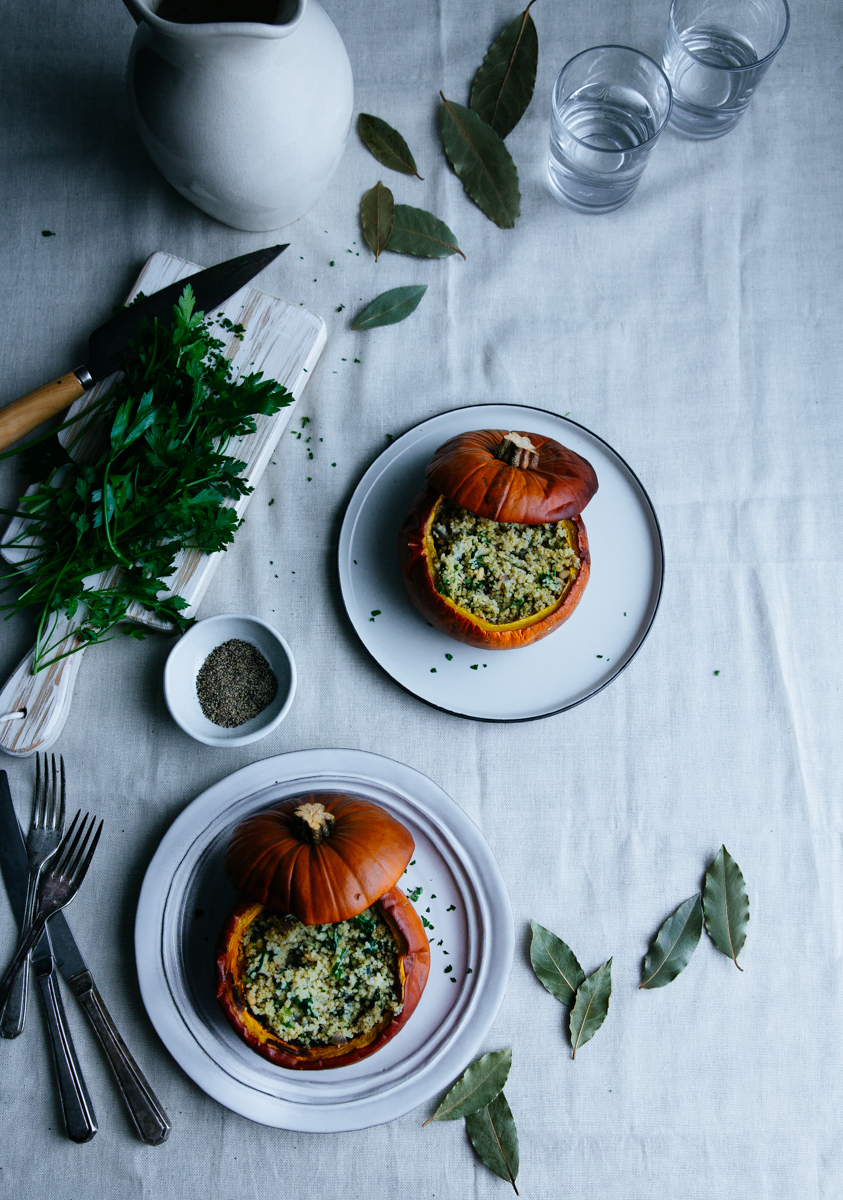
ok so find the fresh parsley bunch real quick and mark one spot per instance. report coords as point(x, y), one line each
point(162, 483)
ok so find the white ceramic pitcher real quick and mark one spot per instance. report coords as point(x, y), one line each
point(247, 120)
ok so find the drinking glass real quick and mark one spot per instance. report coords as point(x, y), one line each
point(715, 55)
point(609, 106)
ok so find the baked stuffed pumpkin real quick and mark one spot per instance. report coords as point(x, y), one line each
point(323, 959)
point(494, 551)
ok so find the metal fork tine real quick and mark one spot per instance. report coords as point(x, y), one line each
point(59, 824)
point(75, 856)
point(49, 816)
point(37, 789)
point(40, 803)
point(82, 870)
point(67, 846)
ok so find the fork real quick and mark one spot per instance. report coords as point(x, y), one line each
point(57, 886)
point(42, 841)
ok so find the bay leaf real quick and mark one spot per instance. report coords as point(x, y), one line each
point(482, 162)
point(415, 231)
point(726, 905)
point(377, 216)
point(503, 87)
point(555, 964)
point(495, 1138)
point(476, 1087)
point(390, 307)
point(591, 1006)
point(671, 949)
point(386, 144)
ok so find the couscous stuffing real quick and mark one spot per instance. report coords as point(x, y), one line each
point(321, 985)
point(498, 571)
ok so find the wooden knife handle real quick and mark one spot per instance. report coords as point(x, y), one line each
point(30, 411)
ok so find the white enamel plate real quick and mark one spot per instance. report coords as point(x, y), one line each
point(569, 666)
point(459, 891)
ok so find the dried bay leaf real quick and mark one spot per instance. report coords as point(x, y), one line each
point(726, 905)
point(415, 231)
point(482, 162)
point(390, 307)
point(377, 216)
point(476, 1087)
point(386, 144)
point(591, 1006)
point(503, 87)
point(555, 964)
point(672, 947)
point(495, 1138)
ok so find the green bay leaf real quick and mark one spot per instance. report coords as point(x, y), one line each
point(671, 949)
point(555, 964)
point(482, 162)
point(377, 215)
point(386, 144)
point(476, 1087)
point(390, 307)
point(503, 87)
point(495, 1138)
point(726, 905)
point(415, 231)
point(591, 1006)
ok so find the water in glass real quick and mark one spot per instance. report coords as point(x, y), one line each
point(592, 132)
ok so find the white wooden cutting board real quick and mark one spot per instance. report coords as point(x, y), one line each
point(282, 341)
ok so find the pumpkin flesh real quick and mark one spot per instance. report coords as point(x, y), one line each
point(418, 559)
point(413, 965)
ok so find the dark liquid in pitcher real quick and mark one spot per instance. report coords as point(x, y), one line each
point(205, 12)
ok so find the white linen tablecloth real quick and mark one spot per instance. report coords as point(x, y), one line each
point(697, 330)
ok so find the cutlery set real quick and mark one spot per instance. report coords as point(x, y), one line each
point(42, 876)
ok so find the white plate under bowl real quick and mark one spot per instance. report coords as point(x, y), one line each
point(185, 899)
point(569, 666)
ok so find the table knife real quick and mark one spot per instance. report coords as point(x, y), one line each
point(108, 346)
point(150, 1119)
point(79, 1119)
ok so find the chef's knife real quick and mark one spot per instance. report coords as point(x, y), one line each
point(108, 345)
point(151, 1121)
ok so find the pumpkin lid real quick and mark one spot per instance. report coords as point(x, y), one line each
point(521, 478)
point(324, 857)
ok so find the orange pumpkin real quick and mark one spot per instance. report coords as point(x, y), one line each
point(413, 969)
point(511, 478)
point(323, 857)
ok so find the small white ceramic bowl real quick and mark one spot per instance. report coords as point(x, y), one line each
point(190, 652)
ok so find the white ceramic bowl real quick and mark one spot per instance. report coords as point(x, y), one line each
point(190, 652)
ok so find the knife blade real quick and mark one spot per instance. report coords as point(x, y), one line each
point(150, 1119)
point(108, 346)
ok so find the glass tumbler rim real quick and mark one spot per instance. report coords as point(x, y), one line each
point(639, 54)
point(746, 66)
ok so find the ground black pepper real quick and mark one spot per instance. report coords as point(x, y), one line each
point(235, 683)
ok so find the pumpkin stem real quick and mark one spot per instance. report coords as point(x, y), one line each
point(517, 450)
point(313, 823)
